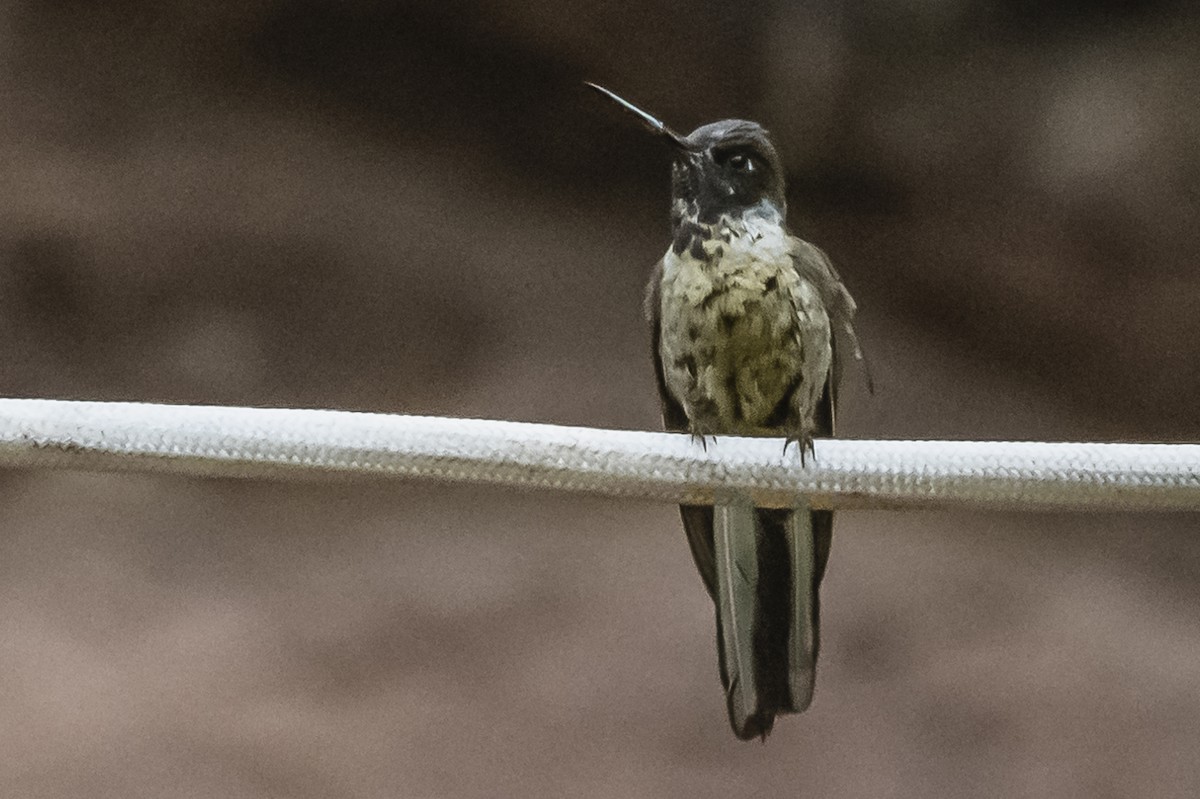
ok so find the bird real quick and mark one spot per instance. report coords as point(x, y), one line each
point(746, 324)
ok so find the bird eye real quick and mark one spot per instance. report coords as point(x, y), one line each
point(741, 162)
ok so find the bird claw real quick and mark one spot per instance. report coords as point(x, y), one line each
point(804, 443)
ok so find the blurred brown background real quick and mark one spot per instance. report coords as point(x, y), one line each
point(417, 208)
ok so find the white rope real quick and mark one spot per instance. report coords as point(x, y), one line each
point(278, 443)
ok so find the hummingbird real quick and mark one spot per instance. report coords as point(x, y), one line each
point(746, 321)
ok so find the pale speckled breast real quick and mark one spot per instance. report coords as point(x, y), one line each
point(745, 341)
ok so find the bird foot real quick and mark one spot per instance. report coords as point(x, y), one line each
point(804, 443)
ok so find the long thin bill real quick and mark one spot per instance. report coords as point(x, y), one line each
point(654, 123)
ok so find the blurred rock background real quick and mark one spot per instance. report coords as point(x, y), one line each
point(416, 207)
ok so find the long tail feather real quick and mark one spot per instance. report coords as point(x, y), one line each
point(802, 636)
point(768, 566)
point(735, 549)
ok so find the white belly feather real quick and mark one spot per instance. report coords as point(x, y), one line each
point(740, 330)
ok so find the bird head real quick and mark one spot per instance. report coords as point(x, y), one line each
point(723, 168)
